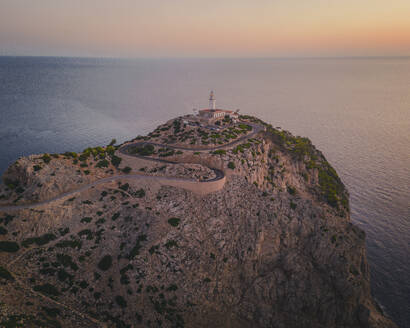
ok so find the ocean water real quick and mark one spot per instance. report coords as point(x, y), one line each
point(357, 111)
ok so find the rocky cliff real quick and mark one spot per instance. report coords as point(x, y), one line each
point(272, 247)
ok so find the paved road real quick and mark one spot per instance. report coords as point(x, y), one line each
point(256, 128)
point(218, 173)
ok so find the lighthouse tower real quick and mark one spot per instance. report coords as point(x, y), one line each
point(212, 101)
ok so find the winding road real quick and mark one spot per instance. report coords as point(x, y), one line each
point(219, 174)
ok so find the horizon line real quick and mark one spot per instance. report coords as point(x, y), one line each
point(215, 57)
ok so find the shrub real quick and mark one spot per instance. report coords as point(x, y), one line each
point(124, 187)
point(63, 231)
point(39, 241)
point(115, 216)
point(69, 243)
point(47, 289)
point(37, 168)
point(105, 263)
point(51, 312)
point(115, 160)
point(122, 303)
point(3, 231)
point(291, 190)
point(5, 274)
point(7, 219)
point(126, 170)
point(70, 154)
point(9, 246)
point(174, 221)
point(170, 244)
point(46, 158)
point(231, 165)
point(67, 261)
point(219, 152)
point(102, 163)
point(293, 205)
point(140, 193)
point(144, 150)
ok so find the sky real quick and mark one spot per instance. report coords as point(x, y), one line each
point(213, 28)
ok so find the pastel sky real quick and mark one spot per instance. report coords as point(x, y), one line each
point(200, 28)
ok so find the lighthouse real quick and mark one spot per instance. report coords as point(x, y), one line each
point(212, 101)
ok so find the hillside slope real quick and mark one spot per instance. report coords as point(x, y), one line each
point(272, 247)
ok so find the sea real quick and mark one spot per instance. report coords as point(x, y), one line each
point(355, 110)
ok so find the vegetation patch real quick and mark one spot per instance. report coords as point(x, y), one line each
point(105, 263)
point(69, 243)
point(5, 274)
point(39, 241)
point(140, 193)
point(171, 244)
point(122, 303)
point(46, 158)
point(9, 246)
point(219, 152)
point(144, 150)
point(7, 219)
point(231, 165)
point(67, 261)
point(174, 221)
point(47, 289)
point(102, 163)
point(86, 220)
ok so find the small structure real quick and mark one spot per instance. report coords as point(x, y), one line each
point(212, 113)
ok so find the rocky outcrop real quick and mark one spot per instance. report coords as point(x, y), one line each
point(272, 247)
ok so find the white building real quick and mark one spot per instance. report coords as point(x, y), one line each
point(212, 113)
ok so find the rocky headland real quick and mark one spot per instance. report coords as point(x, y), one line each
point(240, 225)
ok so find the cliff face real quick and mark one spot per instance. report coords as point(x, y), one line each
point(273, 248)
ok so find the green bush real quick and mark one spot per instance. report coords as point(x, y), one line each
point(5, 274)
point(115, 160)
point(122, 303)
point(231, 165)
point(140, 193)
point(9, 246)
point(219, 152)
point(170, 244)
point(46, 158)
point(39, 241)
point(105, 263)
point(37, 168)
point(124, 187)
point(126, 170)
point(174, 221)
point(144, 150)
point(47, 289)
point(86, 220)
point(3, 231)
point(102, 163)
point(67, 261)
point(69, 243)
point(291, 190)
